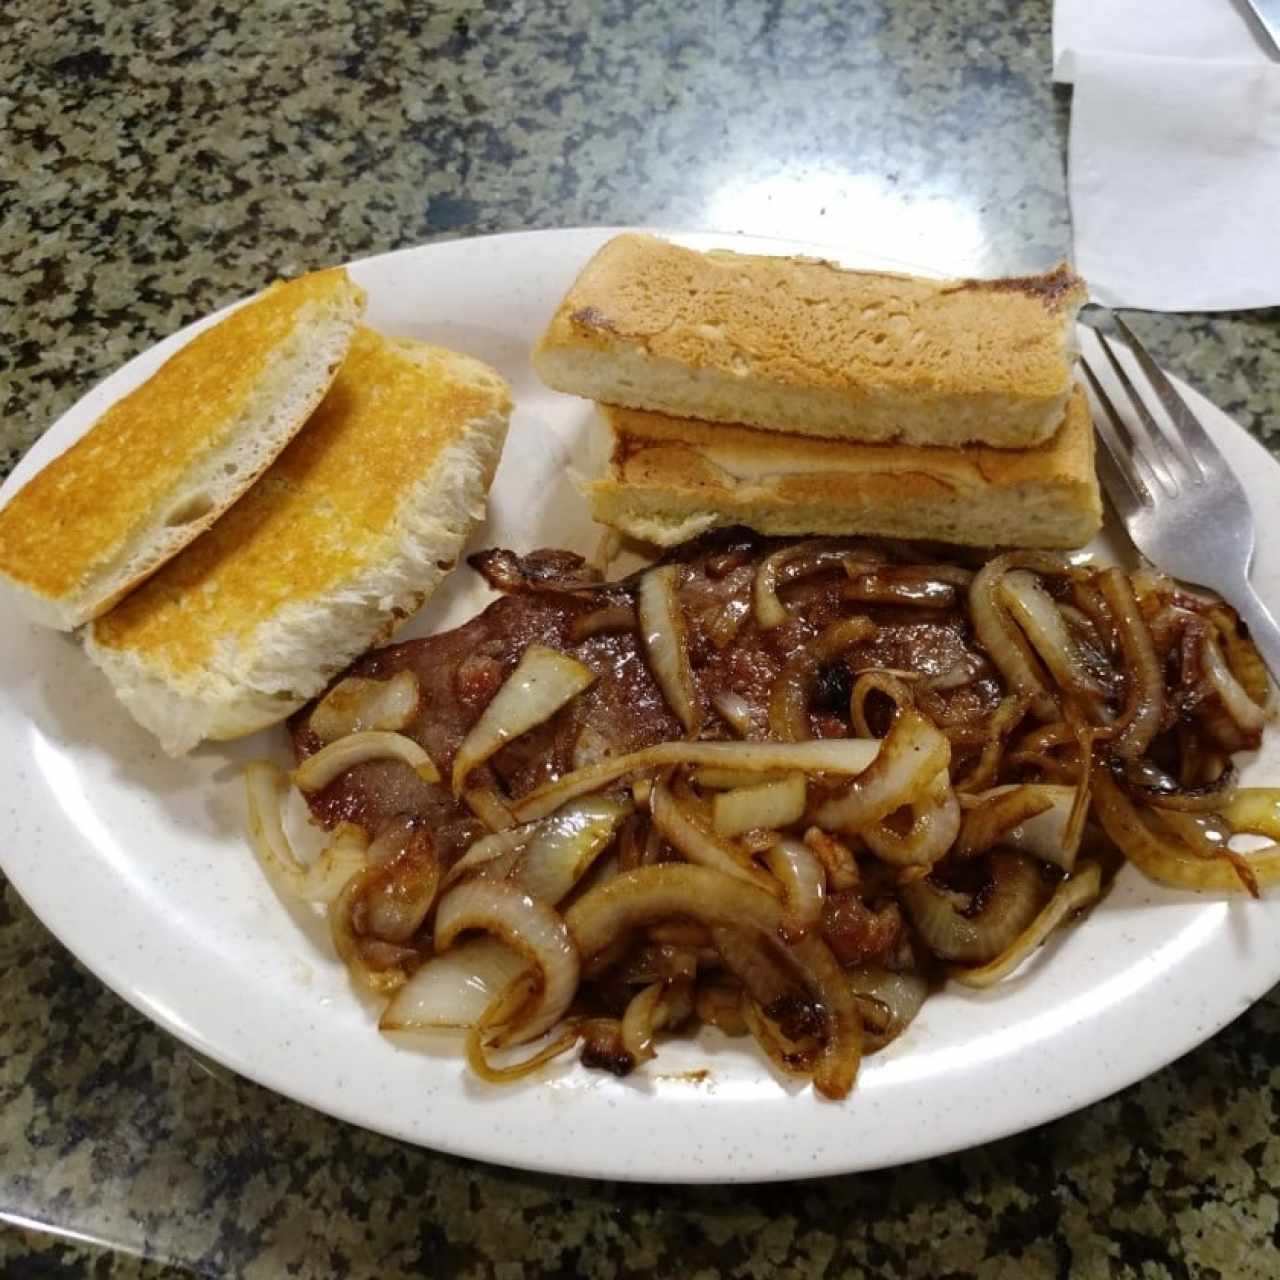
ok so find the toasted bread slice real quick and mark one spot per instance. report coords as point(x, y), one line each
point(806, 347)
point(159, 466)
point(668, 479)
point(342, 539)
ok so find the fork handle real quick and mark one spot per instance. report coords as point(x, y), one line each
point(1262, 625)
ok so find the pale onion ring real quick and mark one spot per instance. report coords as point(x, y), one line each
point(1035, 611)
point(772, 804)
point(735, 711)
point(935, 820)
point(322, 880)
point(357, 704)
point(803, 881)
point(530, 927)
point(542, 682)
point(1248, 716)
point(912, 755)
point(454, 989)
point(666, 642)
point(317, 771)
point(1004, 643)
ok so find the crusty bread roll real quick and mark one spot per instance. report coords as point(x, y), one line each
point(668, 479)
point(805, 347)
point(159, 466)
point(342, 539)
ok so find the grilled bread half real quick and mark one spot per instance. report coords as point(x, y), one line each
point(668, 479)
point(159, 466)
point(805, 347)
point(342, 539)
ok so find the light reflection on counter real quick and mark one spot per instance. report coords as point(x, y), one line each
point(856, 210)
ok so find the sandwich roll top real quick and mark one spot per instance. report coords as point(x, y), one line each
point(342, 539)
point(806, 347)
point(159, 466)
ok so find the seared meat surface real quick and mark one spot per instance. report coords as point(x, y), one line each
point(550, 596)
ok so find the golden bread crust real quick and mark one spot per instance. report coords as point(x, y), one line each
point(322, 514)
point(89, 502)
point(841, 353)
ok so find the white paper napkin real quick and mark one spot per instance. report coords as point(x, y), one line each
point(1221, 29)
point(1174, 181)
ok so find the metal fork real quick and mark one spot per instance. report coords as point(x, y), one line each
point(1183, 506)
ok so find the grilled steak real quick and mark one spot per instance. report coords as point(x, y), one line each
point(552, 598)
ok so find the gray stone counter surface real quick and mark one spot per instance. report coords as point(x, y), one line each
point(160, 159)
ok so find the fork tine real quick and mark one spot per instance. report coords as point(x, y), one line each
point(1168, 465)
point(1200, 448)
point(1132, 466)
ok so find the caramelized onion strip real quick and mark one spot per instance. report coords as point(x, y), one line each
point(1072, 895)
point(1170, 861)
point(846, 757)
point(975, 936)
point(1144, 682)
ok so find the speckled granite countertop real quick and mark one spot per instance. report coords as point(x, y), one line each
point(159, 160)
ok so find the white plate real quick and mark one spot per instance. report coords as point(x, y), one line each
point(138, 865)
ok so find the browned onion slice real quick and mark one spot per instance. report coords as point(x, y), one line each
point(1003, 641)
point(1072, 895)
point(508, 1005)
point(1001, 722)
point(841, 756)
point(666, 641)
point(1000, 811)
point(317, 771)
point(801, 557)
point(1150, 784)
point(958, 931)
point(876, 681)
point(1248, 716)
point(719, 1004)
point(357, 704)
point(648, 894)
point(792, 690)
point(1169, 861)
point(690, 837)
point(1144, 682)
point(396, 891)
point(614, 617)
point(530, 927)
point(564, 846)
point(543, 681)
point(912, 755)
point(640, 1022)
